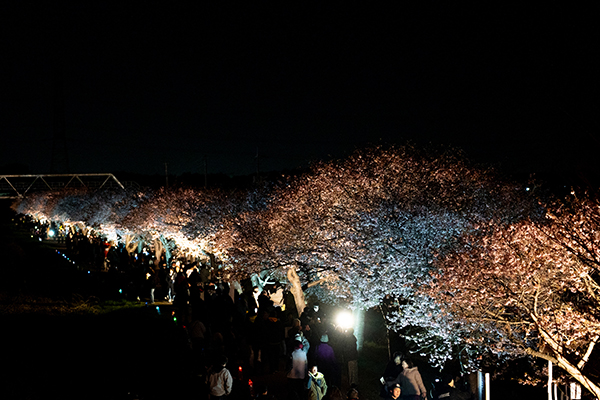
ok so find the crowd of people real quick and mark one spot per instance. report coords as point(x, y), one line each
point(236, 333)
point(269, 342)
point(318, 358)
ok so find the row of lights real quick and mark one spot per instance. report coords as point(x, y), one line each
point(66, 257)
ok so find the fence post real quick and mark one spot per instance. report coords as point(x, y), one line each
point(549, 380)
point(480, 385)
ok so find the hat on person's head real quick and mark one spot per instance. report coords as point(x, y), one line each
point(353, 392)
point(324, 338)
point(223, 361)
point(262, 388)
point(447, 378)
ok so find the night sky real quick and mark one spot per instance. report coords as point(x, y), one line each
point(149, 83)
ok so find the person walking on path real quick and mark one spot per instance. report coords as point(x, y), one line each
point(297, 373)
point(351, 356)
point(325, 358)
point(392, 374)
point(152, 281)
point(317, 386)
point(220, 381)
point(411, 381)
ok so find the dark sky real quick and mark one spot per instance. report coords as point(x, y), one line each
point(146, 83)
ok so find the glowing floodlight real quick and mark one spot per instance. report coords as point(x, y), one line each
point(345, 320)
point(51, 233)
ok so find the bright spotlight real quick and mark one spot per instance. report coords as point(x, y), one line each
point(345, 320)
point(51, 233)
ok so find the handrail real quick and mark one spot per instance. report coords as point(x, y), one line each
point(46, 178)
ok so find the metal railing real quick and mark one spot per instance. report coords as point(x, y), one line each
point(17, 186)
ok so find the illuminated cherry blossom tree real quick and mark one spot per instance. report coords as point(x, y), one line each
point(179, 217)
point(366, 229)
point(190, 218)
point(531, 288)
point(100, 210)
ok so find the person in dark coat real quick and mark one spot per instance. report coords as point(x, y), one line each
point(351, 355)
point(324, 358)
point(391, 374)
point(447, 390)
point(152, 281)
point(182, 293)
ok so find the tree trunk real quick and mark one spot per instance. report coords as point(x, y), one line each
point(166, 250)
point(359, 328)
point(571, 370)
point(559, 359)
point(296, 290)
point(387, 332)
point(579, 376)
point(159, 249)
point(130, 244)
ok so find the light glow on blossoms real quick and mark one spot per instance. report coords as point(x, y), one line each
point(185, 219)
point(109, 231)
point(365, 230)
point(531, 287)
point(198, 247)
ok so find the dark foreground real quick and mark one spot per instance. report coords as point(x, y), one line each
point(137, 354)
point(121, 355)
